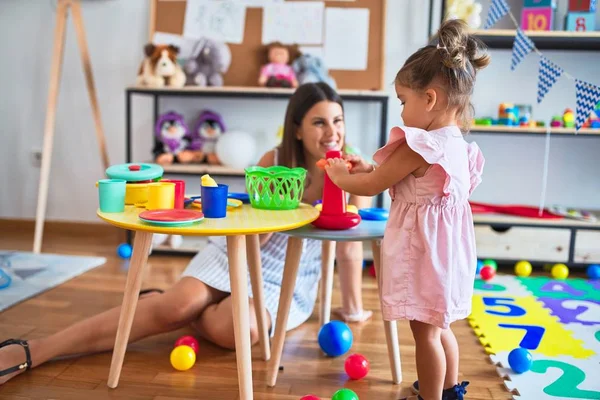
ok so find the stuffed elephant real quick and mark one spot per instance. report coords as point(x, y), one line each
point(309, 68)
point(210, 61)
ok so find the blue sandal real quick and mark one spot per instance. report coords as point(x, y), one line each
point(26, 365)
point(457, 392)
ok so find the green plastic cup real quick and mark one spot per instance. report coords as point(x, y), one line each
point(111, 195)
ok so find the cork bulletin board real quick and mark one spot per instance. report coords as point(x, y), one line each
point(247, 58)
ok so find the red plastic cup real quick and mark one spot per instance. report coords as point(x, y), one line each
point(179, 191)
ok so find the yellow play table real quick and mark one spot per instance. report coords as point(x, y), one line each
point(241, 223)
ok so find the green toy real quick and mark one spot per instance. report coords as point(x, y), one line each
point(345, 394)
point(275, 188)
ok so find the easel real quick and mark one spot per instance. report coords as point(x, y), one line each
point(62, 11)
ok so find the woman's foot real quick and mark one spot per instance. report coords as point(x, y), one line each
point(14, 359)
point(363, 315)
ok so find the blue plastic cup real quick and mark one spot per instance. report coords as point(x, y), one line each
point(214, 201)
point(111, 195)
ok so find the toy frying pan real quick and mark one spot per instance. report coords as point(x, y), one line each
point(520, 211)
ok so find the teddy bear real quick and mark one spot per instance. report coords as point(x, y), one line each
point(211, 61)
point(309, 68)
point(173, 141)
point(467, 10)
point(160, 67)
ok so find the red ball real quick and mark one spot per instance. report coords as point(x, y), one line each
point(372, 271)
point(356, 366)
point(487, 273)
point(188, 341)
point(310, 397)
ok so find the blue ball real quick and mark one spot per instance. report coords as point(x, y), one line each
point(124, 250)
point(520, 360)
point(593, 271)
point(479, 266)
point(335, 338)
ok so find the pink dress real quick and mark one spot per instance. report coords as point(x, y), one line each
point(428, 257)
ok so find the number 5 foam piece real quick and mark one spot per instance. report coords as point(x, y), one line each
point(574, 289)
point(501, 284)
point(551, 378)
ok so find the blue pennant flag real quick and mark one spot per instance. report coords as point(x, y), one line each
point(498, 9)
point(588, 96)
point(521, 47)
point(548, 75)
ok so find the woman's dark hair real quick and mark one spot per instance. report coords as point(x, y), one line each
point(291, 151)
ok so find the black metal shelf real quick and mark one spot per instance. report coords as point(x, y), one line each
point(544, 40)
point(539, 132)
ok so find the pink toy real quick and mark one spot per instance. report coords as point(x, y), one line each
point(278, 72)
point(537, 18)
point(188, 341)
point(487, 273)
point(310, 397)
point(334, 215)
point(356, 366)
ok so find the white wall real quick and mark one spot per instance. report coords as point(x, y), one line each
point(116, 32)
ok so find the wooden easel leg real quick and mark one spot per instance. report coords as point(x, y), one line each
point(89, 80)
point(55, 70)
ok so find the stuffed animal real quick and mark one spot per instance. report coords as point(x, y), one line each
point(160, 67)
point(208, 130)
point(278, 72)
point(211, 61)
point(309, 68)
point(467, 10)
point(173, 142)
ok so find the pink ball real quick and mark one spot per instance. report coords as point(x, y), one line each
point(487, 273)
point(356, 366)
point(188, 341)
point(372, 271)
point(310, 397)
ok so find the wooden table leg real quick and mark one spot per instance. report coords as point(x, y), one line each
point(390, 327)
point(238, 273)
point(141, 245)
point(327, 263)
point(256, 278)
point(290, 272)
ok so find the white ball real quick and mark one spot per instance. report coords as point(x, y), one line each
point(236, 149)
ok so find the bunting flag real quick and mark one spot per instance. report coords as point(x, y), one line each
point(588, 96)
point(498, 9)
point(548, 75)
point(521, 47)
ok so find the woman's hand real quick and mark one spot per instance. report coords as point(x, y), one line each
point(359, 165)
point(336, 168)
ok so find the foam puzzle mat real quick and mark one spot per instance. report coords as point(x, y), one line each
point(558, 321)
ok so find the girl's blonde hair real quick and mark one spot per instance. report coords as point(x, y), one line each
point(452, 63)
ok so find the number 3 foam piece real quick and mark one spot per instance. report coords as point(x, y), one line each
point(554, 378)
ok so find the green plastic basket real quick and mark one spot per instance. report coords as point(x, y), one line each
point(275, 188)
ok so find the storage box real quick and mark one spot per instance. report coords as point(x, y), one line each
point(537, 19)
point(580, 22)
point(540, 3)
point(582, 5)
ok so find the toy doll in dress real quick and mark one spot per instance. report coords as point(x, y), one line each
point(208, 129)
point(278, 71)
point(428, 254)
point(173, 143)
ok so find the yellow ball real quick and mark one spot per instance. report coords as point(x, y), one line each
point(523, 268)
point(560, 271)
point(183, 358)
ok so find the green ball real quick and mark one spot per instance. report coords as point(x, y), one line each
point(491, 263)
point(344, 394)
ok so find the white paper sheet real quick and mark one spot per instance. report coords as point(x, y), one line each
point(297, 22)
point(346, 38)
point(186, 45)
point(219, 20)
point(316, 51)
point(259, 3)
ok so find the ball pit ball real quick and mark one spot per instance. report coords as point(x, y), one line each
point(523, 268)
point(183, 358)
point(357, 366)
point(310, 397)
point(491, 263)
point(345, 394)
point(372, 271)
point(487, 273)
point(479, 266)
point(593, 271)
point(124, 251)
point(335, 338)
point(520, 360)
point(188, 341)
point(560, 271)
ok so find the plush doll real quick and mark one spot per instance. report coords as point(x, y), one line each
point(467, 10)
point(173, 142)
point(208, 129)
point(160, 67)
point(309, 68)
point(278, 72)
point(212, 59)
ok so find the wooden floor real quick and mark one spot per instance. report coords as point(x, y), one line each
point(147, 373)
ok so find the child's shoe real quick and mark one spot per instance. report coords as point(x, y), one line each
point(454, 393)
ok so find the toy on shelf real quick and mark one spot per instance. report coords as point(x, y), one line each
point(160, 68)
point(581, 16)
point(278, 72)
point(467, 10)
point(538, 15)
point(237, 149)
point(556, 122)
point(334, 215)
point(507, 114)
point(208, 130)
point(210, 62)
point(310, 68)
point(569, 118)
point(593, 120)
point(173, 141)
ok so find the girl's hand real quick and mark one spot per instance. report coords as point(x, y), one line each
point(359, 165)
point(335, 168)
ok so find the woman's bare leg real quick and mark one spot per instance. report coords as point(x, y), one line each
point(177, 307)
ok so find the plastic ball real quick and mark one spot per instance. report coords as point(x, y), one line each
point(357, 366)
point(236, 149)
point(491, 263)
point(487, 273)
point(124, 250)
point(335, 338)
point(523, 268)
point(479, 266)
point(593, 271)
point(520, 360)
point(310, 397)
point(372, 271)
point(188, 341)
point(345, 394)
point(560, 271)
point(183, 358)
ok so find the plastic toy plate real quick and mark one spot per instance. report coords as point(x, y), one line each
point(374, 214)
point(173, 223)
point(171, 215)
